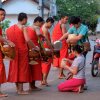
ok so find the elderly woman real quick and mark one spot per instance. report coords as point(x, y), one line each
point(76, 83)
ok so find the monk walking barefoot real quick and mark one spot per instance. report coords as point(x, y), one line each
point(47, 65)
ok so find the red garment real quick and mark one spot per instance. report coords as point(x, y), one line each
point(0, 31)
point(33, 36)
point(2, 68)
point(71, 56)
point(46, 65)
point(36, 70)
point(56, 35)
point(19, 70)
point(45, 43)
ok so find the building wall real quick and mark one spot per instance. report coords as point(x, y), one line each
point(13, 18)
point(17, 6)
point(14, 7)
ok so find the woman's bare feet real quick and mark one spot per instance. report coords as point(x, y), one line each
point(81, 89)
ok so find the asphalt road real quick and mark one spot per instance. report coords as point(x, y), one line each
point(51, 92)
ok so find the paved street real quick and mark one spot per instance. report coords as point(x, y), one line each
point(51, 92)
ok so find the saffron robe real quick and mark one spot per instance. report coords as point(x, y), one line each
point(56, 35)
point(46, 65)
point(19, 70)
point(2, 67)
point(36, 70)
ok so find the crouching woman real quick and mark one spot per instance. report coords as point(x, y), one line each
point(76, 83)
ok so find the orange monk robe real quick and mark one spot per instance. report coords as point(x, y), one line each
point(46, 65)
point(19, 70)
point(2, 68)
point(56, 35)
point(36, 70)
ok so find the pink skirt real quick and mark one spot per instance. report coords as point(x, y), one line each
point(71, 85)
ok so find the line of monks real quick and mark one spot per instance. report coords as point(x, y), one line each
point(24, 38)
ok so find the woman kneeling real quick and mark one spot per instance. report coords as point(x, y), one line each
point(77, 69)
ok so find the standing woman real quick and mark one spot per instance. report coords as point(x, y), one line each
point(47, 65)
point(77, 68)
point(2, 40)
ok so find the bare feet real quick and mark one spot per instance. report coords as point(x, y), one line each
point(22, 92)
point(44, 83)
point(62, 76)
point(81, 89)
point(35, 89)
point(3, 95)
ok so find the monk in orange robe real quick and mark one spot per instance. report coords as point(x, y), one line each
point(34, 33)
point(2, 40)
point(47, 44)
point(19, 71)
point(58, 31)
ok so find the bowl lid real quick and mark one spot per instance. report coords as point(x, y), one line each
point(57, 45)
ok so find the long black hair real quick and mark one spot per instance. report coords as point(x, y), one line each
point(77, 48)
point(75, 20)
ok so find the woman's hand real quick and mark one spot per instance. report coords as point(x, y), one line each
point(63, 63)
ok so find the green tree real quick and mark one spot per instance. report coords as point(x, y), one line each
point(4, 26)
point(86, 9)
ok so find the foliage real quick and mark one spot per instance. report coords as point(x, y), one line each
point(5, 24)
point(27, 24)
point(86, 9)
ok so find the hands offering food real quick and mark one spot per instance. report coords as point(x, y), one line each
point(72, 38)
point(63, 62)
